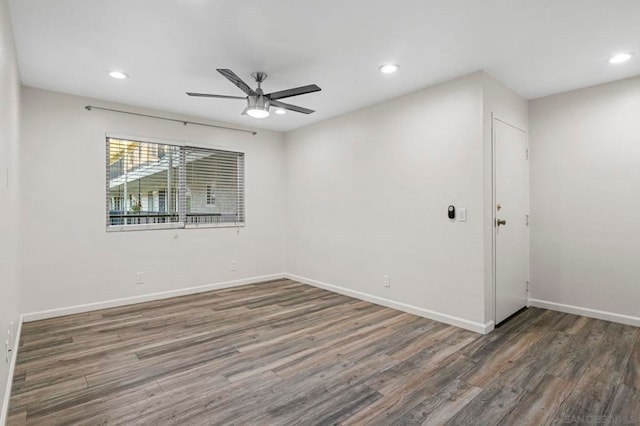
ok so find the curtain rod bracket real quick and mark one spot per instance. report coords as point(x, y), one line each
point(91, 107)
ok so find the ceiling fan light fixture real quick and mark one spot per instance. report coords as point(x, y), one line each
point(118, 75)
point(258, 102)
point(256, 112)
point(620, 58)
point(258, 106)
point(388, 68)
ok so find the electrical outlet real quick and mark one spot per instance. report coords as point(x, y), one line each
point(234, 266)
point(139, 277)
point(387, 281)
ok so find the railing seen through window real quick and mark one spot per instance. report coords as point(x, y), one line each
point(157, 185)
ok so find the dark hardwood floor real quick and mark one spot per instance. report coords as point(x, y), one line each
point(286, 353)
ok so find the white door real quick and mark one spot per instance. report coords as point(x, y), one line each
point(511, 209)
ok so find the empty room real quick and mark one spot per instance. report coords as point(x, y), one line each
point(218, 212)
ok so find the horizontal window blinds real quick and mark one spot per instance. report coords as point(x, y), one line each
point(161, 184)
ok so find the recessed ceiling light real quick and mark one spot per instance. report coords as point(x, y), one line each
point(118, 74)
point(388, 68)
point(280, 111)
point(620, 58)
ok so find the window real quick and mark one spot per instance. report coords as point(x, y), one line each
point(157, 185)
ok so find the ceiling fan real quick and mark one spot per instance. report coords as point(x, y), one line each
point(258, 102)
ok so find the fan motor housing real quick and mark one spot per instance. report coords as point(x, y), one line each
point(258, 102)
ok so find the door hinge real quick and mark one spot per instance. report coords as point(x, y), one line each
point(526, 218)
point(527, 287)
point(527, 153)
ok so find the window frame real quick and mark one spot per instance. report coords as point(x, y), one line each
point(178, 224)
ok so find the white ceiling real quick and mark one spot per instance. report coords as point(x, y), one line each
point(536, 47)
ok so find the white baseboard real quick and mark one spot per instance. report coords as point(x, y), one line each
point(4, 411)
point(426, 313)
point(51, 313)
point(586, 312)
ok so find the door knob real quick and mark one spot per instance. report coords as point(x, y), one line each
point(500, 222)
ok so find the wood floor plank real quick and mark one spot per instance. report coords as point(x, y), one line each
point(577, 352)
point(107, 386)
point(17, 417)
point(542, 404)
point(62, 371)
point(280, 352)
point(316, 392)
point(490, 406)
point(625, 408)
point(441, 407)
point(591, 397)
point(56, 388)
point(632, 371)
point(422, 393)
point(530, 352)
point(189, 407)
point(103, 408)
point(617, 348)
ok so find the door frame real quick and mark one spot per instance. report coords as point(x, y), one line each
point(493, 211)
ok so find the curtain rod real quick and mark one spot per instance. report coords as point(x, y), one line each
point(185, 122)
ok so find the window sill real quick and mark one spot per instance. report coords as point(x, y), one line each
point(176, 225)
point(145, 227)
point(215, 225)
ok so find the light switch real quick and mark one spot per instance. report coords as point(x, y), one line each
point(462, 215)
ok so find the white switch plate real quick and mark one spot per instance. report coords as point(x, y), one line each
point(140, 278)
point(462, 215)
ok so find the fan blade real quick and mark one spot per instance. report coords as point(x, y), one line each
point(232, 77)
point(207, 95)
point(294, 92)
point(290, 107)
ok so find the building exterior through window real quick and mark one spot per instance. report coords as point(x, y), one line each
point(156, 184)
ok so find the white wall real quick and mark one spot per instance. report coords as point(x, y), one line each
point(9, 193)
point(367, 195)
point(69, 258)
point(585, 197)
point(504, 104)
